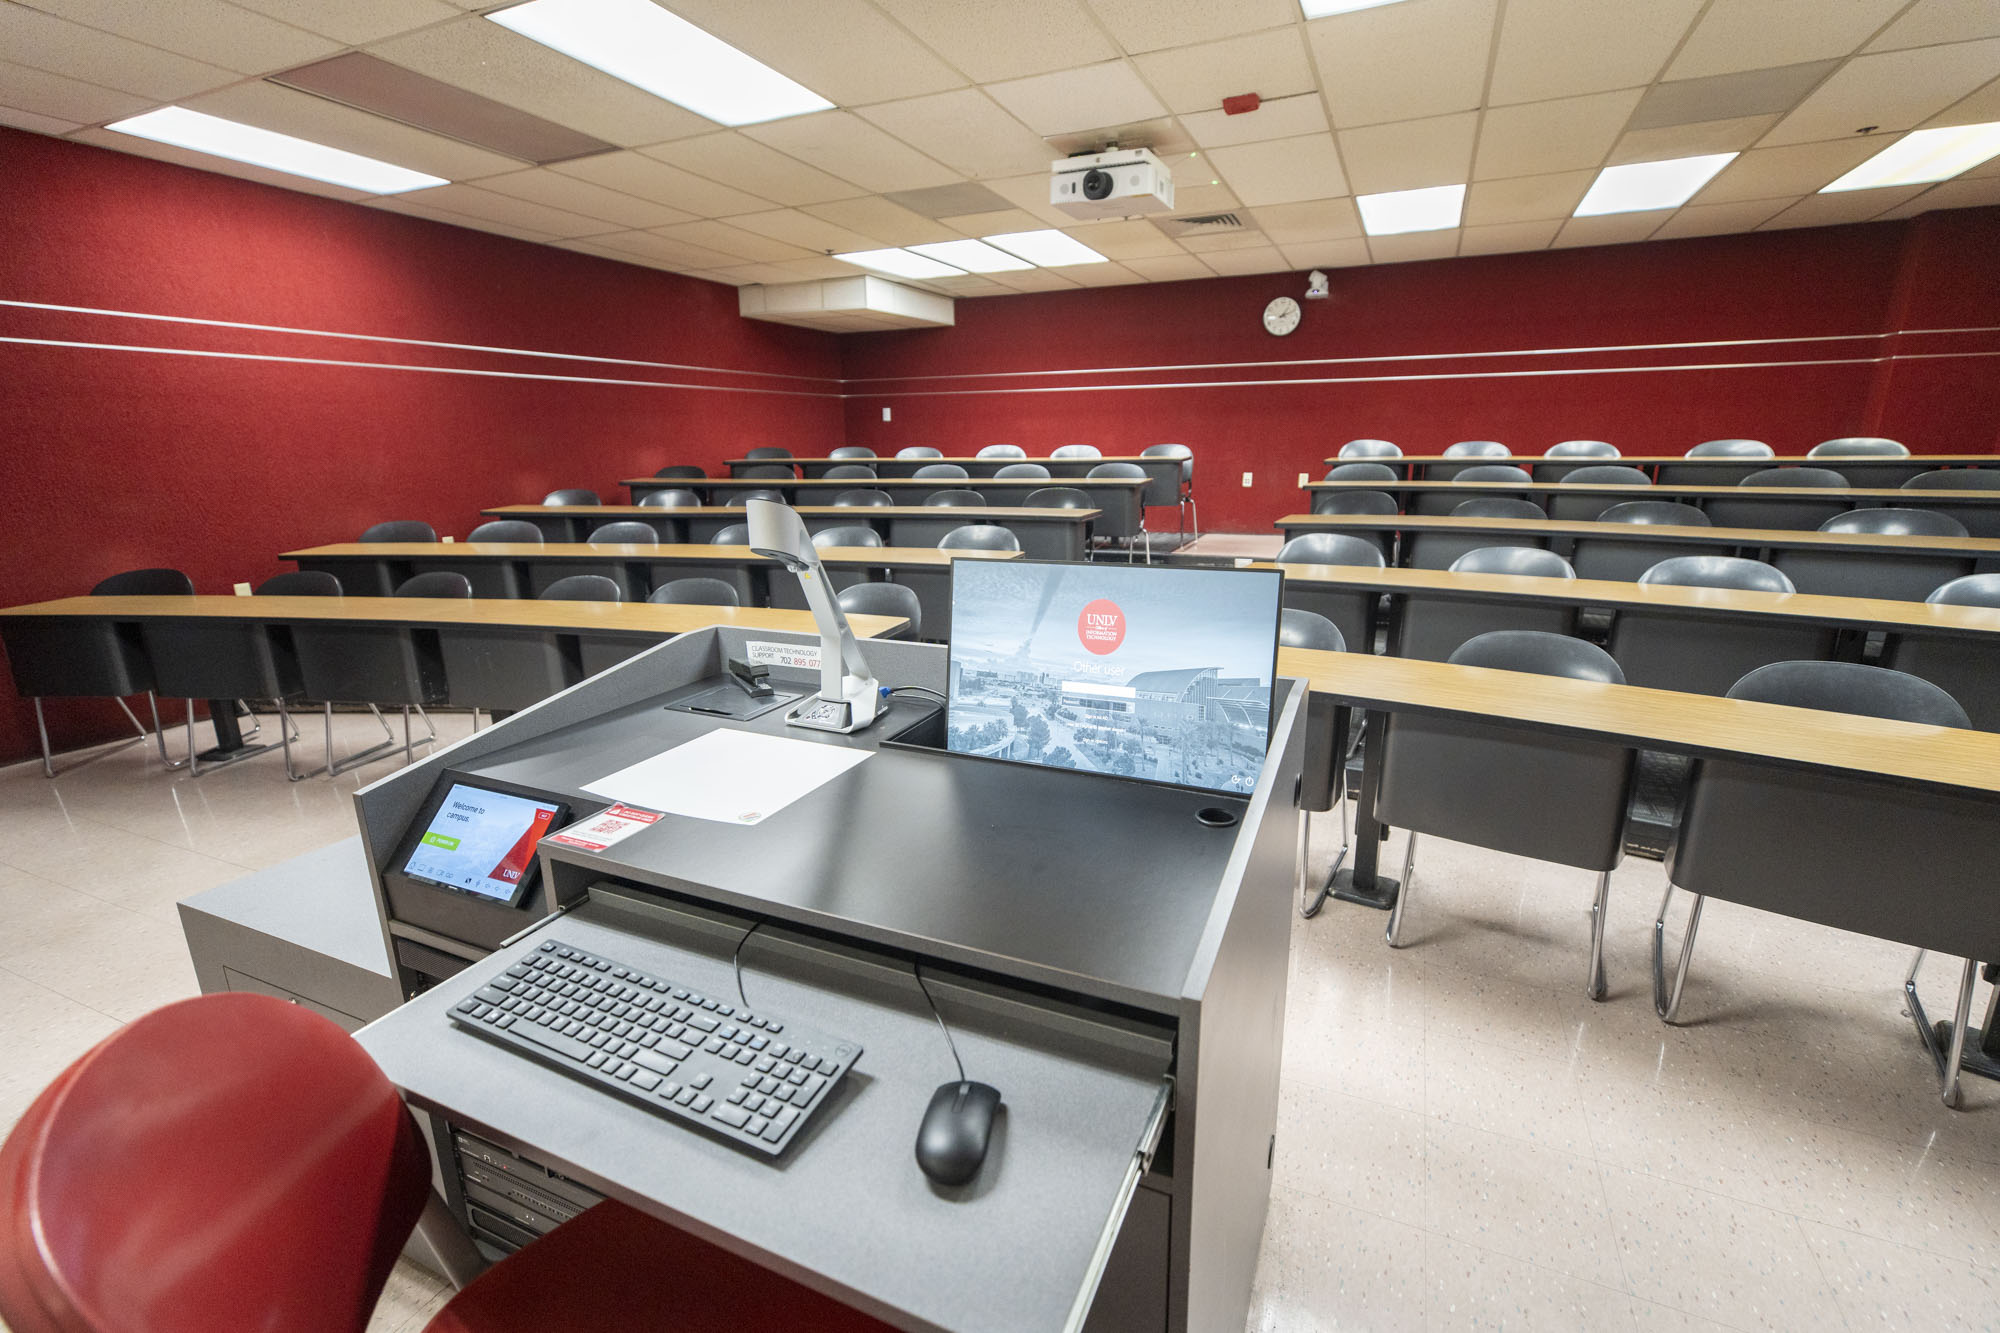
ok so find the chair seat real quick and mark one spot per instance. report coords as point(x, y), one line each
point(617, 1270)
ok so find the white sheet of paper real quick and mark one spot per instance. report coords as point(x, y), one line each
point(733, 777)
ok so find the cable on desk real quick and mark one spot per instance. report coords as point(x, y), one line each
point(917, 969)
point(894, 690)
point(736, 961)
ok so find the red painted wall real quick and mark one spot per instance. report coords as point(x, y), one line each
point(118, 458)
point(1428, 353)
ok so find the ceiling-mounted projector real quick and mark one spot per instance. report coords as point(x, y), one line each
point(1116, 183)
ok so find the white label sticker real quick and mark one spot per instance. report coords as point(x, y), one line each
point(804, 656)
point(600, 831)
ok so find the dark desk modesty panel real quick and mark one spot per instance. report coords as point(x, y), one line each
point(1044, 534)
point(1163, 473)
point(1120, 498)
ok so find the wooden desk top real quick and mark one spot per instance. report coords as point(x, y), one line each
point(1009, 513)
point(902, 556)
point(1968, 547)
point(492, 612)
point(1900, 752)
point(1635, 492)
point(1651, 460)
point(1819, 609)
point(884, 483)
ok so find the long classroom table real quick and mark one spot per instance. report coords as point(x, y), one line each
point(1679, 469)
point(1044, 534)
point(1978, 510)
point(1120, 498)
point(1164, 473)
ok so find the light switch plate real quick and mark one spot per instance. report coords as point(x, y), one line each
point(885, 414)
point(1246, 479)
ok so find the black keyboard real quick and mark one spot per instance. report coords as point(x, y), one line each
point(751, 1078)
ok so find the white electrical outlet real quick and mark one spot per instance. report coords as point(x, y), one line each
point(447, 539)
point(1303, 479)
point(885, 414)
point(242, 590)
point(1246, 480)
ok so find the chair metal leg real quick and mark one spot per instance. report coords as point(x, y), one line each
point(386, 745)
point(1597, 988)
point(42, 727)
point(159, 732)
point(1309, 906)
point(1666, 1005)
point(1395, 930)
point(1950, 1061)
point(140, 738)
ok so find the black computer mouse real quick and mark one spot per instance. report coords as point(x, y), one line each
point(951, 1143)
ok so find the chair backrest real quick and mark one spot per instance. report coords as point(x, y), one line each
point(853, 534)
point(979, 537)
point(1369, 449)
point(1030, 470)
point(1529, 561)
point(1058, 497)
point(407, 530)
point(583, 588)
point(1670, 513)
point(435, 583)
point(575, 495)
point(864, 498)
point(1732, 449)
point(230, 1161)
point(1493, 472)
point(1077, 451)
point(1895, 523)
point(1478, 449)
point(302, 583)
point(1582, 449)
point(697, 592)
point(1968, 590)
point(1956, 479)
point(1802, 477)
point(1850, 687)
point(1126, 471)
point(1603, 474)
point(852, 451)
point(941, 472)
point(506, 530)
point(884, 599)
point(766, 472)
point(736, 534)
point(679, 470)
point(759, 493)
point(920, 451)
point(1360, 472)
point(1309, 629)
point(1002, 451)
point(767, 451)
point(145, 583)
point(1330, 548)
point(1356, 502)
point(621, 534)
point(1717, 571)
point(954, 499)
point(849, 472)
point(674, 499)
point(1859, 446)
point(1180, 451)
point(1540, 654)
point(1495, 506)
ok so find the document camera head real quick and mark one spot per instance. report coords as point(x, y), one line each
point(780, 534)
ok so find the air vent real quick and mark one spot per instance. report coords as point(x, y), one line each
point(1206, 224)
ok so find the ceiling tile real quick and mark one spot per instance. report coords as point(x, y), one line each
point(1931, 22)
point(1259, 259)
point(1409, 154)
point(1551, 136)
point(1199, 199)
point(969, 286)
point(1030, 195)
point(207, 30)
point(1282, 171)
point(1509, 237)
point(847, 51)
point(1402, 61)
point(36, 124)
point(1757, 92)
point(992, 42)
point(1755, 34)
point(744, 245)
point(1162, 134)
point(52, 95)
point(1196, 78)
point(1073, 100)
point(1035, 280)
point(482, 203)
point(1610, 229)
point(965, 130)
point(1831, 210)
point(1776, 173)
point(666, 250)
point(592, 248)
point(1102, 275)
point(1170, 268)
point(1212, 242)
point(1414, 245)
point(744, 274)
point(1564, 48)
point(805, 231)
point(1149, 25)
point(1307, 223)
point(1328, 254)
point(1130, 238)
point(888, 223)
point(995, 224)
point(1965, 192)
point(554, 190)
point(854, 150)
point(735, 159)
point(482, 57)
point(1281, 118)
point(354, 22)
point(1699, 140)
point(270, 107)
point(416, 207)
point(649, 178)
point(819, 266)
point(1978, 109)
point(1895, 91)
point(1718, 219)
point(74, 51)
point(1526, 198)
point(125, 143)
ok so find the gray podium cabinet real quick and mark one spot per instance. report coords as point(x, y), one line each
point(1115, 965)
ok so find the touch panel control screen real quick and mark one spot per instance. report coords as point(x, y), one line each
point(481, 842)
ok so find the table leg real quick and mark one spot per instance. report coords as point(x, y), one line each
point(1362, 884)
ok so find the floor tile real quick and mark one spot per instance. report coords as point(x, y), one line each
point(1886, 1286)
point(1468, 1288)
point(1360, 1154)
point(1324, 1267)
point(1519, 1200)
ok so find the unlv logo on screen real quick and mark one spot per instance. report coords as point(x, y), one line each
point(1101, 626)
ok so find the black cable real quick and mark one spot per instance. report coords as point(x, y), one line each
point(918, 689)
point(737, 961)
point(917, 970)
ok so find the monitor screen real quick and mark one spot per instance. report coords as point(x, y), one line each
point(1144, 672)
point(481, 842)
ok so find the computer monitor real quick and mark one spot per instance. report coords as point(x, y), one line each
point(1149, 672)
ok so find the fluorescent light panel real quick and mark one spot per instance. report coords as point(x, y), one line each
point(900, 263)
point(1639, 186)
point(1923, 157)
point(972, 256)
point(650, 48)
point(1433, 209)
point(266, 148)
point(1319, 9)
point(1048, 248)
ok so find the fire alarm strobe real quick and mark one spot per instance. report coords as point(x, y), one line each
point(1117, 183)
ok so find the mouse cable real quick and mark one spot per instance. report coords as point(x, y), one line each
point(916, 689)
point(737, 961)
point(917, 970)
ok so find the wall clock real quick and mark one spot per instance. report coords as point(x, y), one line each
point(1281, 316)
